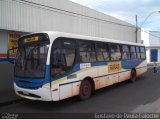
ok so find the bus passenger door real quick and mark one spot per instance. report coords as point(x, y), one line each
point(63, 56)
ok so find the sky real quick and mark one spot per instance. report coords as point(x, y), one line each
point(126, 10)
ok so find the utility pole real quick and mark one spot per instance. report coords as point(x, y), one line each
point(137, 28)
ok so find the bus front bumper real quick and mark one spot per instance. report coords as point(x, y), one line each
point(43, 94)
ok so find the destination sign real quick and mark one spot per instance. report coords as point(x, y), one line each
point(31, 39)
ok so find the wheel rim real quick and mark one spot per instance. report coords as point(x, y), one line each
point(85, 90)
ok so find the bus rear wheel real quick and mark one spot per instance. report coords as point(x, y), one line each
point(133, 76)
point(85, 90)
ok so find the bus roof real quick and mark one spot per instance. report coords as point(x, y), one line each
point(53, 35)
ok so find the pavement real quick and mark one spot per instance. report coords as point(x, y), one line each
point(153, 107)
point(151, 64)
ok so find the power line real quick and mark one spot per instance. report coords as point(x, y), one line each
point(154, 35)
point(65, 11)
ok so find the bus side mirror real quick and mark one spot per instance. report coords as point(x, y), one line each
point(11, 53)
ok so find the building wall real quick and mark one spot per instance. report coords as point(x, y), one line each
point(144, 37)
point(154, 38)
point(3, 45)
point(159, 54)
point(150, 55)
point(152, 42)
point(27, 17)
point(3, 41)
point(5, 37)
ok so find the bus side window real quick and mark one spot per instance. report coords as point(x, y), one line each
point(138, 52)
point(102, 51)
point(143, 54)
point(125, 52)
point(133, 52)
point(115, 52)
point(69, 55)
point(62, 56)
point(87, 51)
point(57, 58)
point(62, 61)
point(57, 63)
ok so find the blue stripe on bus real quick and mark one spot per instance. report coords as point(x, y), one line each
point(30, 83)
point(47, 74)
point(129, 64)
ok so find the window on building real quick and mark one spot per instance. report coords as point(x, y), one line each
point(115, 52)
point(125, 52)
point(87, 51)
point(102, 51)
point(133, 52)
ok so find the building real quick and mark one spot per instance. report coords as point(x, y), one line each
point(152, 44)
point(151, 40)
point(18, 17)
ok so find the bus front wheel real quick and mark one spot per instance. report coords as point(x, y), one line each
point(133, 76)
point(85, 90)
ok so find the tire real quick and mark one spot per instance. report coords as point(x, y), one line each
point(133, 76)
point(85, 90)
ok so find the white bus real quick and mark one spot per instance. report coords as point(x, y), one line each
point(52, 66)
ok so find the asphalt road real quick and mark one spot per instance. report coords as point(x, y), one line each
point(119, 98)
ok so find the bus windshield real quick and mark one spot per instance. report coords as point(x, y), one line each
point(31, 61)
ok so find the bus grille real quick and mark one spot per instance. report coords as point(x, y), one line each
point(30, 94)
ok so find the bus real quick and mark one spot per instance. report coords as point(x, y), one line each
point(52, 66)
